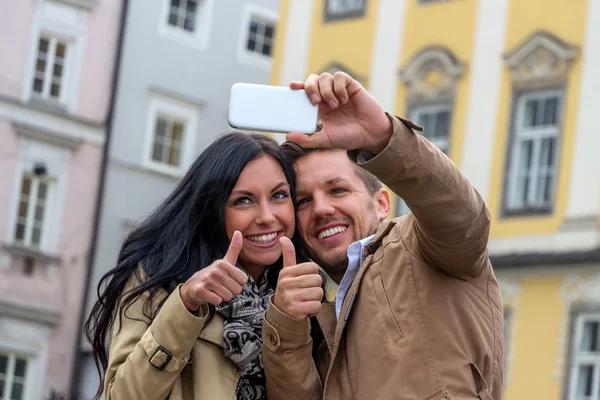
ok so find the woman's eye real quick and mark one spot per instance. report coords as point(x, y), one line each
point(338, 191)
point(282, 194)
point(241, 201)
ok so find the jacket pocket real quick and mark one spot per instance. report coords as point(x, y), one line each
point(385, 309)
point(439, 395)
point(481, 385)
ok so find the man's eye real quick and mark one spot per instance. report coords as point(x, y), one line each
point(338, 191)
point(301, 202)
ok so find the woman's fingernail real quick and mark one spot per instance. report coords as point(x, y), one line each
point(333, 103)
point(314, 98)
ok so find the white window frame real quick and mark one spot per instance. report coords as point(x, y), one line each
point(65, 23)
point(9, 378)
point(442, 143)
point(29, 340)
point(578, 358)
point(252, 58)
point(536, 134)
point(178, 110)
point(337, 8)
point(29, 224)
point(48, 74)
point(57, 161)
point(507, 318)
point(199, 38)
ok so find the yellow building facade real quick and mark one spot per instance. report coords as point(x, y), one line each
point(510, 90)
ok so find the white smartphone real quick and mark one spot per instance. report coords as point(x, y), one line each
point(271, 109)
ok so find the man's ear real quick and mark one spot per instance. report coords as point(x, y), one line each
point(382, 203)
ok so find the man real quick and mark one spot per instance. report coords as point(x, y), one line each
point(418, 312)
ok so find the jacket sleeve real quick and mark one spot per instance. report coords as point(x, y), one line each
point(145, 359)
point(287, 357)
point(450, 219)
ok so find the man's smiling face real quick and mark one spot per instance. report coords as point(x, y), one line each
point(335, 208)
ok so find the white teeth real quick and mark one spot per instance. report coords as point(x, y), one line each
point(263, 238)
point(332, 231)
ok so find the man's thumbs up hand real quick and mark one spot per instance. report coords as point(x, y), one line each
point(299, 290)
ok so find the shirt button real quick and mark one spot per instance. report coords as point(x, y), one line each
point(273, 339)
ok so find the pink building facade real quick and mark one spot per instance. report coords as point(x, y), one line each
point(56, 70)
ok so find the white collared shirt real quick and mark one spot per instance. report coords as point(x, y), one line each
point(355, 259)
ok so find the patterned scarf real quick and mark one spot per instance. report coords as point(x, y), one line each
point(242, 336)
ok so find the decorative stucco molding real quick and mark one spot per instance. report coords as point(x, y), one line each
point(432, 75)
point(29, 312)
point(85, 4)
point(540, 60)
point(46, 135)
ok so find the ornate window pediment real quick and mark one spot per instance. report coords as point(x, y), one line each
point(335, 66)
point(540, 60)
point(432, 75)
point(88, 4)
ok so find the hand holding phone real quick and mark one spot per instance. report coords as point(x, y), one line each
point(271, 109)
point(352, 118)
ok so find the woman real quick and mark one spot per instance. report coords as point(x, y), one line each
point(182, 325)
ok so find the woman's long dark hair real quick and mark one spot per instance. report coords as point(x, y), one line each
point(183, 235)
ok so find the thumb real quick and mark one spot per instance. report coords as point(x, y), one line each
point(234, 248)
point(288, 252)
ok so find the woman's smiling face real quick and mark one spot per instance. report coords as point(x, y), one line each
point(260, 207)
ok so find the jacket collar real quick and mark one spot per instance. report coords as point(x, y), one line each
point(382, 232)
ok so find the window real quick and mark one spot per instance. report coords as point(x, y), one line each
point(50, 65)
point(32, 210)
point(183, 14)
point(340, 9)
point(186, 21)
point(257, 37)
point(435, 121)
point(534, 152)
point(168, 135)
point(260, 37)
point(13, 369)
point(585, 368)
point(55, 56)
point(401, 207)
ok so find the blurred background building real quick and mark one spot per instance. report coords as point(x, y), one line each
point(56, 71)
point(105, 103)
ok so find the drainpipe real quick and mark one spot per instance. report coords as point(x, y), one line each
point(77, 364)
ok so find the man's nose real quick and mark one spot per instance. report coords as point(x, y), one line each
point(322, 207)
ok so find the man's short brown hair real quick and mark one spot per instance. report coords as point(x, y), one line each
point(293, 152)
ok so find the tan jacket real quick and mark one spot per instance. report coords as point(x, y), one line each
point(423, 318)
point(139, 365)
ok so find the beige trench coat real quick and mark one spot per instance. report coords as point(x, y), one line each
point(176, 356)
